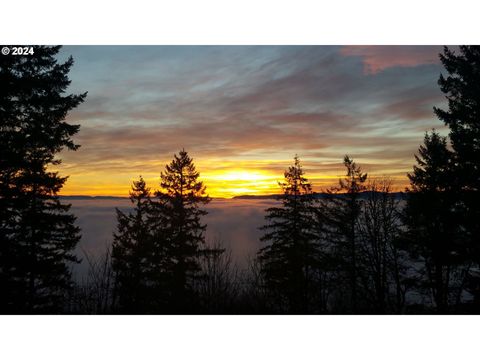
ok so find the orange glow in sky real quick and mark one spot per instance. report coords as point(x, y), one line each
point(224, 183)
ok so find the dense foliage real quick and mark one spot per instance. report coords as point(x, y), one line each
point(37, 231)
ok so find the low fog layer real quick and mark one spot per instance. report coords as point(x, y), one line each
point(235, 222)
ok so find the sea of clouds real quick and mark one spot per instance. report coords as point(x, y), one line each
point(233, 222)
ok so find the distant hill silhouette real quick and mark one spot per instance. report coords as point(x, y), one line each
point(253, 197)
point(363, 195)
point(88, 197)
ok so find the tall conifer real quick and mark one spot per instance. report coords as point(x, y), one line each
point(177, 219)
point(461, 87)
point(291, 256)
point(133, 253)
point(37, 231)
point(340, 212)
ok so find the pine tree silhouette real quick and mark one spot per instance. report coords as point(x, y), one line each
point(340, 212)
point(134, 256)
point(461, 88)
point(291, 257)
point(37, 232)
point(176, 218)
point(432, 222)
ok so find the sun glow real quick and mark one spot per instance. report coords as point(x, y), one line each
point(241, 176)
point(223, 179)
point(235, 182)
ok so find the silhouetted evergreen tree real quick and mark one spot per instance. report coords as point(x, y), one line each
point(290, 259)
point(135, 256)
point(462, 90)
point(461, 87)
point(37, 232)
point(176, 219)
point(340, 212)
point(433, 223)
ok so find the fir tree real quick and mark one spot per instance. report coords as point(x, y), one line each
point(340, 212)
point(461, 87)
point(176, 218)
point(432, 222)
point(462, 90)
point(291, 256)
point(133, 255)
point(37, 231)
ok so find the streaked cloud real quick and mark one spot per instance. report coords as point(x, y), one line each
point(248, 109)
point(378, 58)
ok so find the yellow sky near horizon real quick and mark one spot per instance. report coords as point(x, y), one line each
point(227, 182)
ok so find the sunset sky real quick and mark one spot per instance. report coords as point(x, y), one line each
point(243, 112)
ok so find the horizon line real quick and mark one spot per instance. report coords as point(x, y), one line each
point(244, 196)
